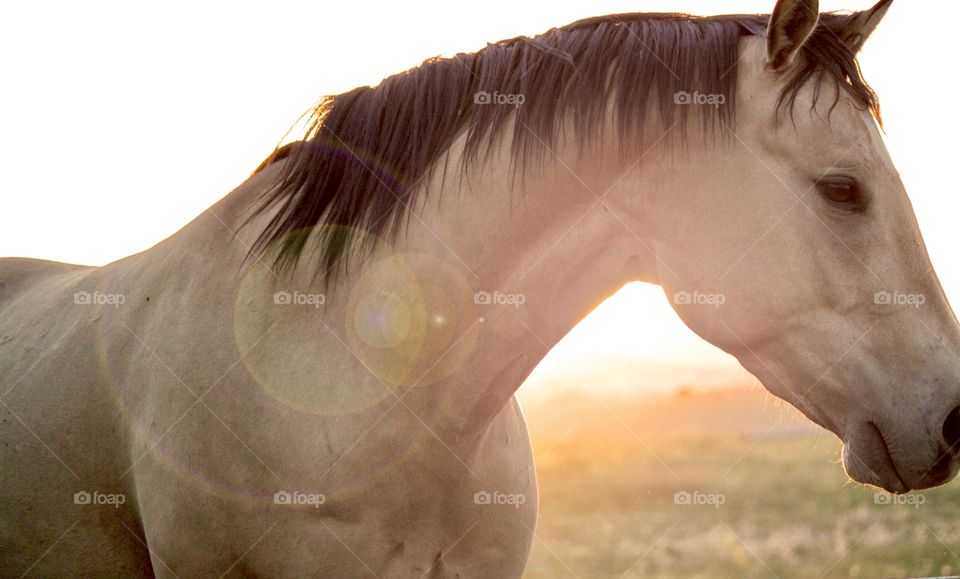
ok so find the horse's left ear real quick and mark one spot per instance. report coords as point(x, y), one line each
point(791, 24)
point(862, 25)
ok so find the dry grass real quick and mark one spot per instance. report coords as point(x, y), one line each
point(609, 469)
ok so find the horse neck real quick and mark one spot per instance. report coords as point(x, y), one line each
point(561, 240)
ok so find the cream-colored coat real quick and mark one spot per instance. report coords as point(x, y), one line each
point(183, 413)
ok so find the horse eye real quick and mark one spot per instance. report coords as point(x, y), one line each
point(844, 192)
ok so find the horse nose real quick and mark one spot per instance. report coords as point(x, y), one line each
point(946, 465)
point(948, 456)
point(951, 431)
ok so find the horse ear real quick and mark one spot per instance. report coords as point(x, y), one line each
point(790, 25)
point(862, 25)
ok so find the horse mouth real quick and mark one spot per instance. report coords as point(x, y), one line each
point(867, 459)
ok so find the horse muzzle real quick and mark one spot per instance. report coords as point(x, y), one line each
point(899, 463)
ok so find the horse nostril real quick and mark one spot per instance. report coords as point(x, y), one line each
point(951, 429)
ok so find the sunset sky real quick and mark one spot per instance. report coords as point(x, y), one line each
point(120, 122)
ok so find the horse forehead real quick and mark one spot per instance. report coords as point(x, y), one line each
point(830, 126)
point(840, 134)
point(834, 116)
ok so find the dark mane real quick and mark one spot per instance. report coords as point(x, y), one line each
point(366, 153)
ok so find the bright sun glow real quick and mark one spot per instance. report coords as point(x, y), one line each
point(123, 121)
point(635, 340)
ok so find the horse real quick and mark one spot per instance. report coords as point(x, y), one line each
point(316, 376)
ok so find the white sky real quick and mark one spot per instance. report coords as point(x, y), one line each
point(121, 121)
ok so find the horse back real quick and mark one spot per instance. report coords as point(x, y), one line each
point(17, 274)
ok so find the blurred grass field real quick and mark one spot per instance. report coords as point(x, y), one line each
point(609, 468)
